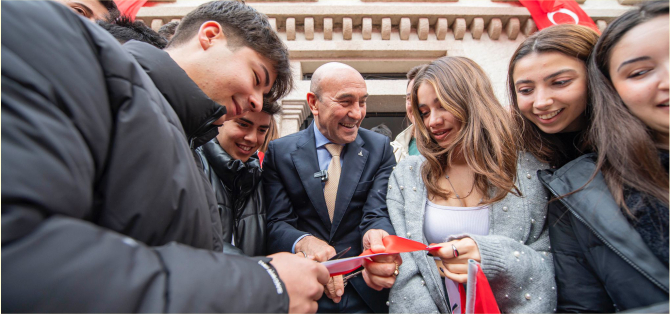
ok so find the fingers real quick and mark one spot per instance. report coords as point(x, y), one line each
point(372, 284)
point(462, 249)
point(439, 265)
point(335, 289)
point(338, 284)
point(397, 259)
point(381, 269)
point(384, 258)
point(303, 254)
point(446, 251)
point(373, 240)
point(381, 275)
point(303, 278)
point(393, 258)
point(324, 254)
point(456, 268)
point(321, 251)
point(322, 275)
point(460, 278)
point(315, 248)
point(471, 248)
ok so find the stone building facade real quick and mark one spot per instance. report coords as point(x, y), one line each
point(383, 39)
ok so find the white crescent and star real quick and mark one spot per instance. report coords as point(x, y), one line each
point(574, 16)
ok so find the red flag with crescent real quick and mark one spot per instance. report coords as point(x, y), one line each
point(546, 13)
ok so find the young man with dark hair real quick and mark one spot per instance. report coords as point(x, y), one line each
point(243, 30)
point(105, 208)
point(233, 168)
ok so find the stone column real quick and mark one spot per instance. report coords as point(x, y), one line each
point(293, 113)
point(294, 106)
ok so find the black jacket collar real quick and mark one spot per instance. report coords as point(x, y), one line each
point(594, 205)
point(195, 110)
point(241, 177)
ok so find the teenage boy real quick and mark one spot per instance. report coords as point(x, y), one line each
point(233, 168)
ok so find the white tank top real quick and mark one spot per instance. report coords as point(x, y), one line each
point(440, 221)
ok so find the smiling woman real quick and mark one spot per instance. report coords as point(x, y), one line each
point(547, 85)
point(468, 178)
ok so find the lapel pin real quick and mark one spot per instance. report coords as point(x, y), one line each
point(360, 153)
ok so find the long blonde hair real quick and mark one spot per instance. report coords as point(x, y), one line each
point(486, 138)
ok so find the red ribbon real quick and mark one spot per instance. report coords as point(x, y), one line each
point(392, 244)
point(396, 244)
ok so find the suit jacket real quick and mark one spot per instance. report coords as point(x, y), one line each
point(296, 204)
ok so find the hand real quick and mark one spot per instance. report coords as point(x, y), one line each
point(379, 271)
point(335, 288)
point(315, 248)
point(304, 280)
point(299, 254)
point(456, 267)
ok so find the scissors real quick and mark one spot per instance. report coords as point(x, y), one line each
point(346, 278)
point(352, 275)
point(340, 254)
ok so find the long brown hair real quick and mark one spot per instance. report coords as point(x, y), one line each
point(627, 155)
point(571, 40)
point(272, 135)
point(486, 138)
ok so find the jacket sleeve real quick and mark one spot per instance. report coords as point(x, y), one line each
point(518, 263)
point(396, 208)
point(578, 287)
point(282, 220)
point(521, 275)
point(375, 212)
point(56, 261)
point(54, 257)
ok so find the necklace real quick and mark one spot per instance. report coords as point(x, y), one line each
point(453, 189)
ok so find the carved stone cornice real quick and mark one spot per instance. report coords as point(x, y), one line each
point(301, 21)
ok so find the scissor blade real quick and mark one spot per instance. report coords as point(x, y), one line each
point(340, 254)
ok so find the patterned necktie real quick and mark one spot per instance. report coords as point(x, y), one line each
point(334, 170)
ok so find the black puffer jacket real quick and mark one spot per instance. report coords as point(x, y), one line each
point(602, 263)
point(240, 198)
point(103, 206)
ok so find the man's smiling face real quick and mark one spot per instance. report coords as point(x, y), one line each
point(341, 106)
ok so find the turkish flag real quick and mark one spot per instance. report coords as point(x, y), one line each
point(129, 8)
point(546, 13)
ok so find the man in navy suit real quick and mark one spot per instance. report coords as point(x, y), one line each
point(300, 220)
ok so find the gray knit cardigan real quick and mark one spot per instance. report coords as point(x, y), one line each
point(515, 255)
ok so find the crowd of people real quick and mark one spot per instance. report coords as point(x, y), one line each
point(144, 172)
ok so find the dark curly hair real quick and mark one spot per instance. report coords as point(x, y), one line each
point(124, 29)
